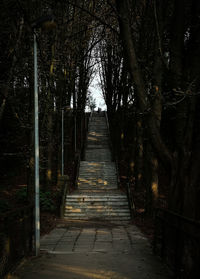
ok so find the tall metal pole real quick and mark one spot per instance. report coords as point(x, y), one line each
point(36, 128)
point(62, 169)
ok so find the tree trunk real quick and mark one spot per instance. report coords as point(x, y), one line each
point(130, 54)
point(137, 79)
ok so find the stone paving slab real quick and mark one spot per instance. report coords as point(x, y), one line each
point(97, 251)
point(104, 238)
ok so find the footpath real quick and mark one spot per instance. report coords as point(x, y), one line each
point(97, 250)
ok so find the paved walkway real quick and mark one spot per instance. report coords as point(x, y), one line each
point(100, 251)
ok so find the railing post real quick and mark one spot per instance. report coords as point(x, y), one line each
point(63, 185)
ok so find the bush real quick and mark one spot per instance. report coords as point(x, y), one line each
point(46, 201)
point(21, 195)
point(4, 206)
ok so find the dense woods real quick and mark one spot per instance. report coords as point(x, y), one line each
point(64, 67)
point(146, 54)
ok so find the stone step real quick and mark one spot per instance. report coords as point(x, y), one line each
point(110, 216)
point(97, 164)
point(100, 134)
point(94, 216)
point(97, 155)
point(106, 182)
point(93, 186)
point(97, 133)
point(95, 125)
point(100, 215)
point(93, 182)
point(98, 210)
point(95, 206)
point(97, 173)
point(110, 171)
point(80, 202)
point(104, 150)
point(96, 120)
point(95, 137)
point(106, 177)
point(93, 199)
point(111, 194)
point(103, 179)
point(91, 175)
point(100, 137)
point(92, 138)
point(98, 146)
point(101, 176)
point(101, 202)
point(96, 188)
point(106, 218)
point(114, 196)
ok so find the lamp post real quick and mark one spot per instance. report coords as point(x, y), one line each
point(46, 22)
point(36, 129)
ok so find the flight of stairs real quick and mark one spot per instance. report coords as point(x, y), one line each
point(97, 196)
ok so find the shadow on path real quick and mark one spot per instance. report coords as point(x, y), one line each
point(100, 250)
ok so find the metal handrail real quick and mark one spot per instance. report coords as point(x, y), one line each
point(17, 230)
point(112, 149)
point(174, 235)
point(79, 160)
point(65, 188)
point(15, 212)
point(108, 127)
point(77, 170)
point(128, 189)
point(179, 217)
point(130, 199)
point(90, 119)
point(64, 191)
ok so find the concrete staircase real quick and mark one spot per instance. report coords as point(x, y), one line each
point(97, 196)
